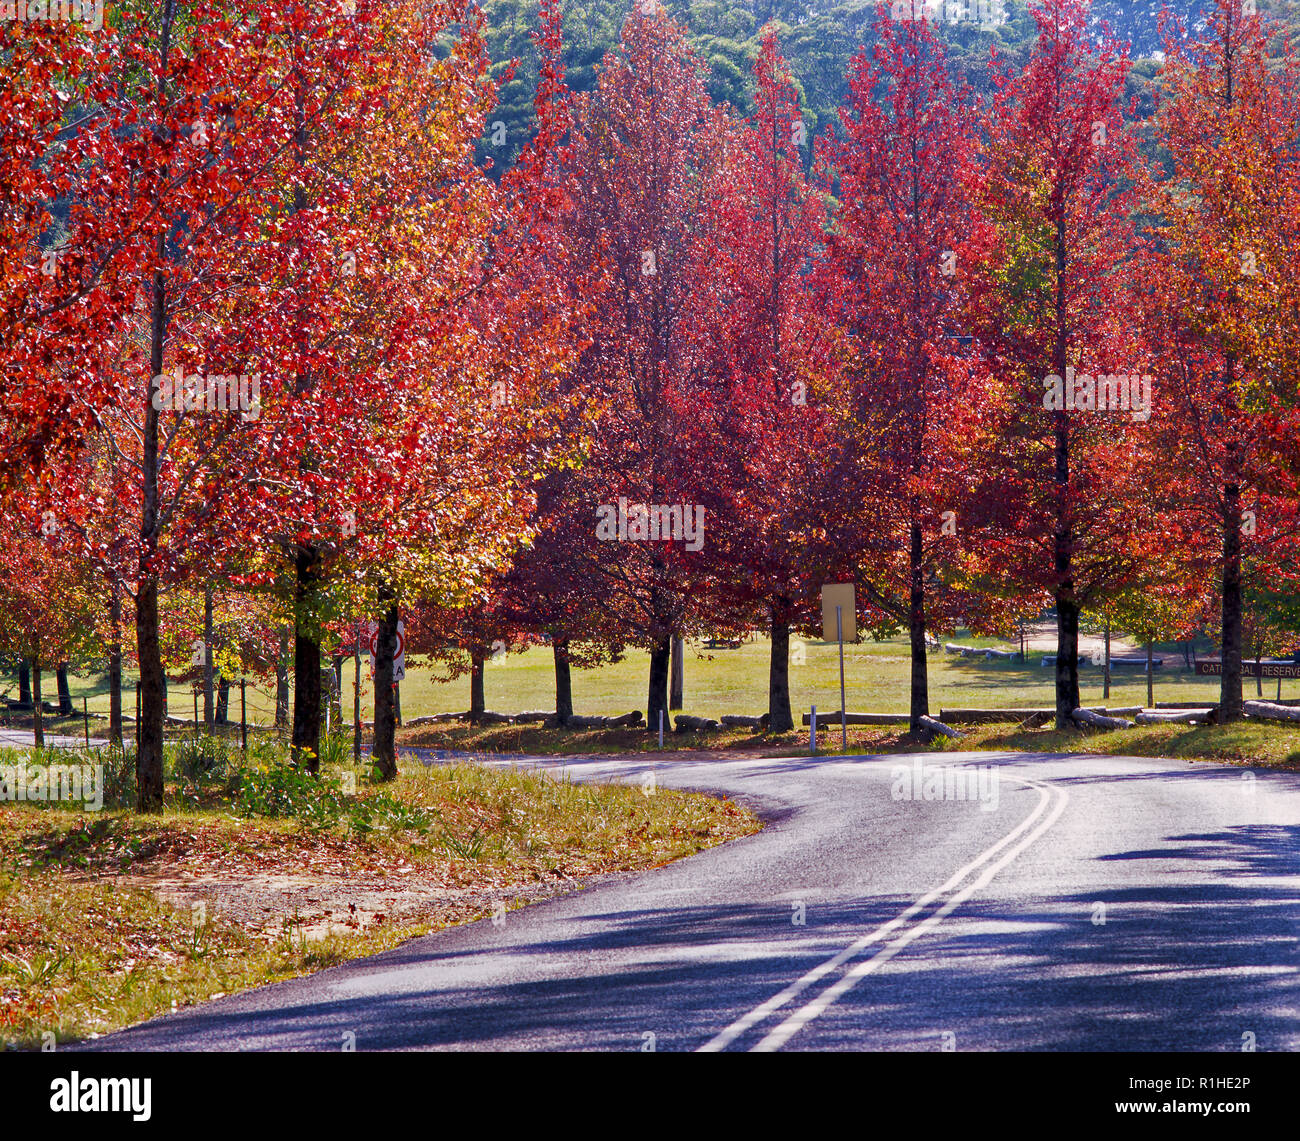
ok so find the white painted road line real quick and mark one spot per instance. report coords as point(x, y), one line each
point(764, 1010)
point(797, 1021)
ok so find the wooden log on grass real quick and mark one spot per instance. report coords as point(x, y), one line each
point(1270, 711)
point(432, 719)
point(1034, 717)
point(687, 724)
point(1175, 717)
point(532, 716)
point(938, 728)
point(623, 721)
point(1099, 720)
point(832, 717)
point(739, 721)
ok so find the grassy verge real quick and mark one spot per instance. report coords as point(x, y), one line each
point(1262, 744)
point(256, 873)
point(1248, 743)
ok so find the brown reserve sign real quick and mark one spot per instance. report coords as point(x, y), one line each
point(1251, 669)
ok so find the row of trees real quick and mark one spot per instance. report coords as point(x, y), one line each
point(281, 354)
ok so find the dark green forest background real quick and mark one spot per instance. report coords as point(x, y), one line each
point(818, 39)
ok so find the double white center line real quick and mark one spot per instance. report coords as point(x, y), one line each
point(983, 868)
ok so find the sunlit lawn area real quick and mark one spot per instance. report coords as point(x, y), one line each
point(724, 681)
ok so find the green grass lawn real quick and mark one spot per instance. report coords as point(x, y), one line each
point(724, 681)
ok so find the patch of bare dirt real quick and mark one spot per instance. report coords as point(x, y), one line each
point(317, 906)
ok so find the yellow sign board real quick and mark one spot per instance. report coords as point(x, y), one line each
point(839, 594)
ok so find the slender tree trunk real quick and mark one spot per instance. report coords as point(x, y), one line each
point(24, 682)
point(149, 732)
point(1151, 681)
point(153, 682)
point(1106, 692)
point(660, 656)
point(920, 706)
point(384, 752)
point(306, 662)
point(222, 716)
point(207, 658)
point(356, 690)
point(115, 668)
point(1259, 671)
point(38, 714)
point(1230, 639)
point(676, 674)
point(563, 681)
point(282, 681)
point(780, 719)
point(477, 700)
point(65, 693)
point(1067, 606)
point(153, 686)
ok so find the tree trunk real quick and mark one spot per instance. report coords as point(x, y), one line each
point(384, 752)
point(1067, 608)
point(115, 669)
point(1067, 657)
point(306, 662)
point(222, 716)
point(1106, 691)
point(563, 681)
point(920, 706)
point(1259, 672)
point(1151, 681)
point(65, 693)
point(676, 674)
point(356, 692)
point(153, 682)
point(24, 682)
point(282, 681)
point(660, 656)
point(477, 701)
point(780, 719)
point(38, 714)
point(1230, 640)
point(207, 658)
point(149, 732)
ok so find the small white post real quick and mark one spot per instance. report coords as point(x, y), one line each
point(812, 731)
point(661, 729)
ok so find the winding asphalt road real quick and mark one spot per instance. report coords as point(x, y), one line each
point(1062, 903)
